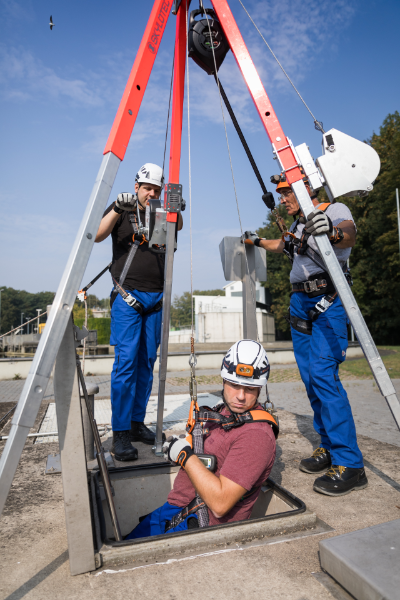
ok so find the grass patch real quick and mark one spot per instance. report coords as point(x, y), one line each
point(349, 370)
point(360, 369)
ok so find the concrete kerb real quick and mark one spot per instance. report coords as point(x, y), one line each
point(177, 361)
point(207, 540)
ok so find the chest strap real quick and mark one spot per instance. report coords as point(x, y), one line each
point(213, 415)
point(300, 245)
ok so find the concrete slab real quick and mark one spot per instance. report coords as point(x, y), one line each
point(370, 411)
point(176, 410)
point(33, 545)
point(365, 562)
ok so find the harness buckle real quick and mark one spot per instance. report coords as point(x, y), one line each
point(312, 286)
point(130, 300)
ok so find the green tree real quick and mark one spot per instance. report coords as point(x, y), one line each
point(14, 302)
point(375, 260)
point(92, 302)
point(181, 314)
point(209, 293)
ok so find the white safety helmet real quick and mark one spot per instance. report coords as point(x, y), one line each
point(246, 363)
point(150, 173)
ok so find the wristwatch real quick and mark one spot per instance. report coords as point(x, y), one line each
point(337, 236)
point(119, 211)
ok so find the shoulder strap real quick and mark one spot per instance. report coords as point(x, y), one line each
point(212, 415)
point(324, 206)
point(264, 415)
point(133, 221)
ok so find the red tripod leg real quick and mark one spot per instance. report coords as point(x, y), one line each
point(121, 131)
point(256, 89)
point(178, 95)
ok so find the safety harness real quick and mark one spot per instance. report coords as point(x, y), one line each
point(299, 245)
point(316, 285)
point(213, 415)
point(118, 289)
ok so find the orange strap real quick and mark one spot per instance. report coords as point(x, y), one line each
point(261, 415)
point(324, 206)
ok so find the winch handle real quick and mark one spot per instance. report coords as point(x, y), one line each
point(199, 11)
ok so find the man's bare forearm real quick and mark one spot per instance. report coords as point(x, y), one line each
point(106, 225)
point(272, 245)
point(349, 233)
point(219, 493)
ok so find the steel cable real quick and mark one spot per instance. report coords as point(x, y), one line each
point(233, 179)
point(317, 124)
point(169, 108)
point(190, 175)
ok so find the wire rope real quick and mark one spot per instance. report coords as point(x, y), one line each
point(317, 124)
point(190, 175)
point(169, 109)
point(233, 180)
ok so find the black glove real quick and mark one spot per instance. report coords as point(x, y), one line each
point(318, 223)
point(126, 202)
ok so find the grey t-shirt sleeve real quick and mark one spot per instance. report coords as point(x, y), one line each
point(303, 266)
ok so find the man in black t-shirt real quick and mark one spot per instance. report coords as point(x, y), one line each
point(135, 335)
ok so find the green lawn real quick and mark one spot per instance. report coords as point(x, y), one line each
point(350, 369)
point(359, 368)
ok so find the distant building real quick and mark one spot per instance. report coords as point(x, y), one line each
point(220, 318)
point(100, 313)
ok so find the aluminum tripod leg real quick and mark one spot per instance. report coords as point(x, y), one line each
point(249, 293)
point(162, 373)
point(78, 519)
point(350, 305)
point(100, 456)
point(39, 374)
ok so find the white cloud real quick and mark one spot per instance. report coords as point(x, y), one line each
point(25, 77)
point(298, 31)
point(12, 10)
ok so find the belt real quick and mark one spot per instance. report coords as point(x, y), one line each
point(316, 285)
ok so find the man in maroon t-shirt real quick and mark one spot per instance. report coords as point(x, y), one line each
point(244, 454)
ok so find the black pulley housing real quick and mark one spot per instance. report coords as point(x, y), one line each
point(200, 42)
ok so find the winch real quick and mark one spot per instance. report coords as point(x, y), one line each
point(206, 40)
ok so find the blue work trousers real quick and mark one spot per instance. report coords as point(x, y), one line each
point(154, 523)
point(136, 339)
point(318, 357)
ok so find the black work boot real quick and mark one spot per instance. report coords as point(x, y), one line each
point(122, 448)
point(339, 481)
point(140, 433)
point(320, 460)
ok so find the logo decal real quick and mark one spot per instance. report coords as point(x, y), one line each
point(159, 27)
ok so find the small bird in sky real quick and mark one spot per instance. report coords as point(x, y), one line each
point(51, 22)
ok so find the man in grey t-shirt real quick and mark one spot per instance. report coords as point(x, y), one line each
point(319, 333)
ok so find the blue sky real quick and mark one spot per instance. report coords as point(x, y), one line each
point(60, 89)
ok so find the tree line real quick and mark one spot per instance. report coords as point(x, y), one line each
point(20, 304)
